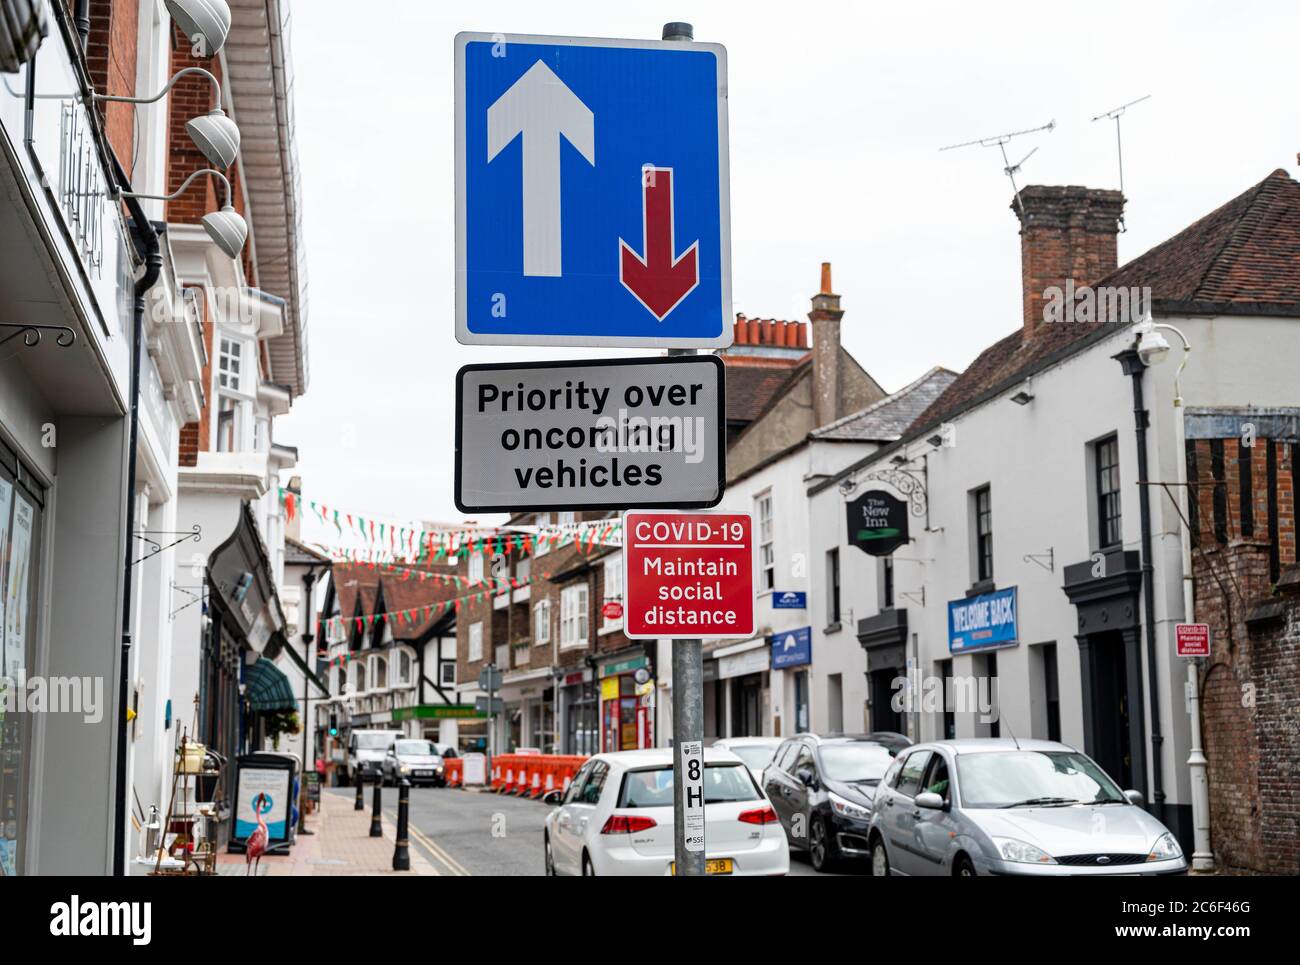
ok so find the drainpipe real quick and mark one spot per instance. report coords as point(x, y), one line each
point(308, 638)
point(83, 22)
point(150, 253)
point(1134, 367)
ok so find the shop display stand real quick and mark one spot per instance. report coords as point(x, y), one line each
point(200, 857)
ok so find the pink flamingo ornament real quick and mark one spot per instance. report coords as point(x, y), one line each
point(255, 846)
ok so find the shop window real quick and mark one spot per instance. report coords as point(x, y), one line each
point(230, 423)
point(229, 361)
point(476, 641)
point(21, 504)
point(1106, 461)
point(542, 622)
point(573, 616)
point(1051, 692)
point(766, 546)
point(378, 673)
point(613, 589)
point(982, 505)
point(833, 587)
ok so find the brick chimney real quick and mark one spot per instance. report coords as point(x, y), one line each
point(1066, 232)
point(825, 317)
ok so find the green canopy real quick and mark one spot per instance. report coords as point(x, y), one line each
point(267, 688)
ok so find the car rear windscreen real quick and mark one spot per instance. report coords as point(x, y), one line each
point(654, 788)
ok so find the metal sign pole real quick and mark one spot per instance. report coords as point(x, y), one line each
point(688, 755)
point(688, 698)
point(492, 718)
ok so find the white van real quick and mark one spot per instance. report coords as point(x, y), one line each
point(366, 750)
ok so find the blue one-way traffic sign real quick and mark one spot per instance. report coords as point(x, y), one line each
point(591, 192)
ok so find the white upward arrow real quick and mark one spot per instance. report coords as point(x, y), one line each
point(540, 107)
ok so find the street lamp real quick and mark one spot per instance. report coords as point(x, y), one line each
point(1153, 348)
point(226, 227)
point(213, 133)
point(205, 22)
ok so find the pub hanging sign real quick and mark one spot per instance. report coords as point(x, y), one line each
point(877, 522)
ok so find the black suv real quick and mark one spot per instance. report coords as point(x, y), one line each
point(822, 787)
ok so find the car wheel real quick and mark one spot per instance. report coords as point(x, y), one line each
point(879, 858)
point(963, 867)
point(550, 858)
point(587, 870)
point(820, 847)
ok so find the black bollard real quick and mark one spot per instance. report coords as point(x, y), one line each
point(402, 852)
point(361, 802)
point(377, 825)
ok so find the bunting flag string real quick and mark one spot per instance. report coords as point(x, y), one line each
point(388, 541)
point(408, 616)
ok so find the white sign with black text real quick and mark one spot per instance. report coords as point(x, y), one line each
point(692, 793)
point(592, 434)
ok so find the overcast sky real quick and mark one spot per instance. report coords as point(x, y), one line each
point(837, 114)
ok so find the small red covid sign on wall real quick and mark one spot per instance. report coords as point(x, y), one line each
point(688, 575)
point(1192, 639)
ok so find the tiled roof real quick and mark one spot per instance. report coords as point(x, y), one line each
point(359, 581)
point(752, 383)
point(1245, 253)
point(412, 593)
point(351, 580)
point(887, 419)
point(1243, 258)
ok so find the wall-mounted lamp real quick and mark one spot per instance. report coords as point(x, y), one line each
point(1153, 347)
point(899, 460)
point(205, 22)
point(213, 133)
point(1022, 397)
point(936, 440)
point(226, 227)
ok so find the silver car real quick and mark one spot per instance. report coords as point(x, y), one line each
point(1008, 807)
point(415, 759)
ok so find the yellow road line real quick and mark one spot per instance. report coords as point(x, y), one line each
point(435, 850)
point(455, 866)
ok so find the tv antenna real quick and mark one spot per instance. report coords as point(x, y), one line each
point(1000, 142)
point(1115, 115)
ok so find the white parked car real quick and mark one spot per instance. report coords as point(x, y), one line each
point(617, 819)
point(756, 752)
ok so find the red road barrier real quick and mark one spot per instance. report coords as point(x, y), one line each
point(525, 775)
point(453, 770)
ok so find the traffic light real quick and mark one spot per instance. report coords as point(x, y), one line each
point(334, 725)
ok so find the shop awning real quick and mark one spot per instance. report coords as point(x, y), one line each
point(267, 688)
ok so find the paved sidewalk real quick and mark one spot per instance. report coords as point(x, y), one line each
point(341, 845)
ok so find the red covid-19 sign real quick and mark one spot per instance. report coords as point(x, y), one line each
point(688, 575)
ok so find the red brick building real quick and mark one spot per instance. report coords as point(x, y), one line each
point(1247, 584)
point(550, 619)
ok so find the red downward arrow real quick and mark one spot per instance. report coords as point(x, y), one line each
point(659, 281)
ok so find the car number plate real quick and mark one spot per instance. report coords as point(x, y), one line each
point(713, 866)
point(424, 773)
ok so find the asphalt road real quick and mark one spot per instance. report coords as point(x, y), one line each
point(474, 833)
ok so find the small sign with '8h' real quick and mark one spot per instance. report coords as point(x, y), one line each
point(692, 792)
